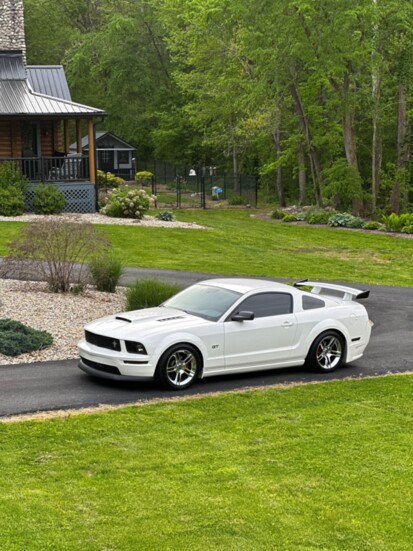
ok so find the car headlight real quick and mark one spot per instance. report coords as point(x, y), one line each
point(135, 347)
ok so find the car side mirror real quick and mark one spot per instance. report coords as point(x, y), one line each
point(243, 316)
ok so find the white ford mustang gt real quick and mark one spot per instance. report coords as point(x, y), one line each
point(228, 325)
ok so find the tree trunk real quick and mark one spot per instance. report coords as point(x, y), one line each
point(278, 182)
point(302, 177)
point(234, 162)
point(312, 151)
point(403, 150)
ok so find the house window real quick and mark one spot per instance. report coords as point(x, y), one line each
point(106, 157)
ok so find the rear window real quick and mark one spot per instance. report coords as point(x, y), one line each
point(310, 303)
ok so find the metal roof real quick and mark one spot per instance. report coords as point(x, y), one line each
point(49, 80)
point(12, 65)
point(99, 136)
point(16, 98)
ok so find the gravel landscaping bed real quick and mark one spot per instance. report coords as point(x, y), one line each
point(62, 315)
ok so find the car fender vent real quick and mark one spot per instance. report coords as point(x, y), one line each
point(123, 319)
point(170, 318)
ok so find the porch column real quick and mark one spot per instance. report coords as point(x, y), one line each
point(78, 136)
point(66, 135)
point(91, 140)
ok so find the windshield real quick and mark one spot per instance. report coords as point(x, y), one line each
point(204, 301)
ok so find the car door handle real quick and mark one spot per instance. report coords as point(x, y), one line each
point(287, 323)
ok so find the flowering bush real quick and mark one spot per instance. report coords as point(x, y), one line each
point(126, 202)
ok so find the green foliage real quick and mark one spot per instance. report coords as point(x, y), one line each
point(108, 180)
point(166, 216)
point(127, 202)
point(12, 177)
point(343, 184)
point(277, 214)
point(48, 200)
point(321, 217)
point(373, 226)
point(11, 201)
point(17, 338)
point(146, 293)
point(407, 229)
point(289, 218)
point(345, 220)
point(237, 200)
point(144, 177)
point(106, 271)
point(395, 222)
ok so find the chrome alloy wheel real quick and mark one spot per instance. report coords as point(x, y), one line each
point(181, 367)
point(329, 352)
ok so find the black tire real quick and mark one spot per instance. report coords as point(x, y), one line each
point(178, 367)
point(327, 352)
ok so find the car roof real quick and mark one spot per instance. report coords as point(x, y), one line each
point(245, 285)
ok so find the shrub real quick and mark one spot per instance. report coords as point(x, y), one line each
point(395, 222)
point(321, 217)
point(11, 202)
point(407, 229)
point(277, 214)
point(289, 218)
point(126, 202)
point(373, 226)
point(56, 250)
point(12, 177)
point(144, 177)
point(345, 220)
point(146, 293)
point(236, 200)
point(16, 338)
point(108, 180)
point(166, 216)
point(105, 271)
point(343, 184)
point(48, 200)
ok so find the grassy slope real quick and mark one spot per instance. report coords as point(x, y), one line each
point(239, 244)
point(312, 467)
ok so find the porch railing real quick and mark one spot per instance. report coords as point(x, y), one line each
point(62, 168)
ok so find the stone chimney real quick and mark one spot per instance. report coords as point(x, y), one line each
point(12, 26)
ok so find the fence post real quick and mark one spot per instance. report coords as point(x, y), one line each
point(203, 202)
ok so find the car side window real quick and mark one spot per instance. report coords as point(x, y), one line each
point(310, 303)
point(266, 304)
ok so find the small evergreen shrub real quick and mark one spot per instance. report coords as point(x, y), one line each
point(373, 226)
point(105, 271)
point(166, 216)
point(107, 179)
point(16, 338)
point(144, 178)
point(277, 214)
point(127, 202)
point(345, 220)
point(48, 200)
point(11, 177)
point(289, 218)
point(321, 217)
point(146, 293)
point(11, 201)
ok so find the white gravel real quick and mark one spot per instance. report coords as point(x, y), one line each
point(62, 315)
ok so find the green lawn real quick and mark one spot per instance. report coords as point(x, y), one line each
point(238, 244)
point(310, 467)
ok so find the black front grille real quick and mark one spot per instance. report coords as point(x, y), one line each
point(101, 367)
point(102, 342)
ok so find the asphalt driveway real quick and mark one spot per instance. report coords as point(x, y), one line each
point(61, 385)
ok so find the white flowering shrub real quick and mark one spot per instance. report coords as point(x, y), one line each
point(127, 202)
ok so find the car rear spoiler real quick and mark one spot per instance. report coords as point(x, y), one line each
point(348, 292)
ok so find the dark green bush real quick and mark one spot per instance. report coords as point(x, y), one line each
point(236, 200)
point(106, 271)
point(16, 338)
point(321, 217)
point(277, 215)
point(11, 202)
point(345, 220)
point(12, 177)
point(48, 200)
point(146, 293)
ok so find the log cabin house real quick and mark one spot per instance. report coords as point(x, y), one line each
point(37, 116)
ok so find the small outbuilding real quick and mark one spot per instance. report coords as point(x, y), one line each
point(112, 154)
